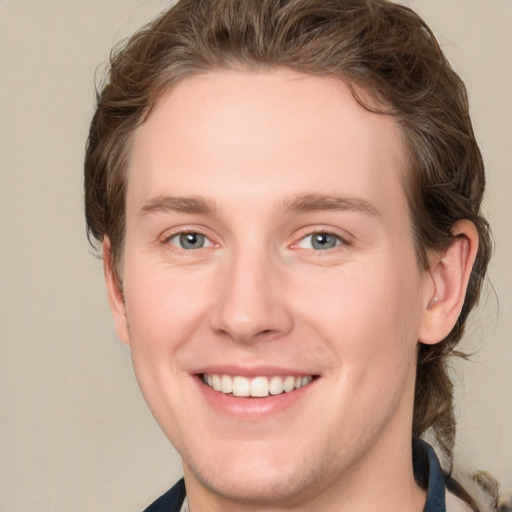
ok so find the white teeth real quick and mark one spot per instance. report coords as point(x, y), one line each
point(289, 384)
point(257, 386)
point(216, 383)
point(226, 384)
point(276, 386)
point(241, 386)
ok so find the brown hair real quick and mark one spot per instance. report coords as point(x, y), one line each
point(391, 61)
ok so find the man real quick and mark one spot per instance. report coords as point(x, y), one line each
point(287, 194)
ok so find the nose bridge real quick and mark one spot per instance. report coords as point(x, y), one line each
point(251, 301)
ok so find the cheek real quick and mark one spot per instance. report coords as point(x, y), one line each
point(368, 313)
point(163, 308)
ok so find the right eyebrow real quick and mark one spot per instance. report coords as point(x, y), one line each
point(311, 202)
point(179, 204)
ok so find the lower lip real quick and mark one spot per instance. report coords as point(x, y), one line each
point(252, 408)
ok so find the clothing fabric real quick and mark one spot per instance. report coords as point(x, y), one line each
point(171, 501)
point(427, 472)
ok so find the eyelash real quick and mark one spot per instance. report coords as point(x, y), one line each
point(338, 240)
point(180, 239)
point(182, 234)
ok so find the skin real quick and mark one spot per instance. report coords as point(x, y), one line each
point(250, 148)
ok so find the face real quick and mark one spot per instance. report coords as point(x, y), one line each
point(272, 296)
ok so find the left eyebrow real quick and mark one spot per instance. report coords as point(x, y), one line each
point(304, 203)
point(179, 204)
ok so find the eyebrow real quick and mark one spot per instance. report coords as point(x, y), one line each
point(304, 203)
point(181, 204)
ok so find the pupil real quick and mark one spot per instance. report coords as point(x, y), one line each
point(192, 241)
point(323, 241)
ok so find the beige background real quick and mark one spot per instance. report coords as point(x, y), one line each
point(74, 432)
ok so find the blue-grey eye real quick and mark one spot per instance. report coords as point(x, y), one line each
point(189, 241)
point(320, 241)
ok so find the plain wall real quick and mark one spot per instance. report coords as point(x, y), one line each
point(74, 431)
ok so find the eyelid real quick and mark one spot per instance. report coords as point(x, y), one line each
point(344, 239)
point(177, 236)
point(169, 234)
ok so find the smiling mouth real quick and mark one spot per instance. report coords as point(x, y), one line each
point(259, 387)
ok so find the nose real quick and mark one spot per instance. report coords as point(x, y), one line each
point(251, 303)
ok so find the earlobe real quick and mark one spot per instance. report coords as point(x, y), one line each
point(449, 275)
point(114, 293)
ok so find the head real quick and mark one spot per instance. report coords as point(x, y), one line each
point(388, 59)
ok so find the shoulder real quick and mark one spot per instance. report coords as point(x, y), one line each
point(171, 501)
point(447, 492)
point(429, 475)
point(455, 504)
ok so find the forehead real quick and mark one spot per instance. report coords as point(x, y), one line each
point(264, 133)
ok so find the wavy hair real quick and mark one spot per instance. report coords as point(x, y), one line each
point(393, 64)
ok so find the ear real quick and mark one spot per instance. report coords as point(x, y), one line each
point(114, 293)
point(449, 275)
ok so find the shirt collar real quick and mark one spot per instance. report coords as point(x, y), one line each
point(429, 475)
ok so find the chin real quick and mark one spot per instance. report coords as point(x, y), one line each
point(256, 485)
point(258, 479)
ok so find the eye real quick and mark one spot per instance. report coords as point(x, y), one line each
point(189, 241)
point(320, 241)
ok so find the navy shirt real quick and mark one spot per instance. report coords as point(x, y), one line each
point(427, 472)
